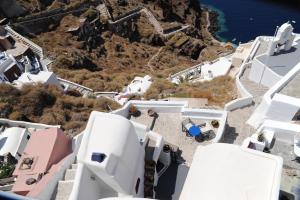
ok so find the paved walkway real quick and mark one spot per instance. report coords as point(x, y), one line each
point(237, 130)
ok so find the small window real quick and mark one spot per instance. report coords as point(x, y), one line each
point(28, 137)
point(137, 185)
point(98, 157)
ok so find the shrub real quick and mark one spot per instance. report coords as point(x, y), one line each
point(90, 14)
point(35, 99)
point(16, 115)
point(49, 105)
point(5, 110)
point(159, 88)
point(6, 170)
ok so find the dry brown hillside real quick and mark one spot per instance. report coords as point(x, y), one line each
point(49, 105)
point(106, 57)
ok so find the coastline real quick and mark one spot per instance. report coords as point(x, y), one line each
point(217, 22)
point(212, 27)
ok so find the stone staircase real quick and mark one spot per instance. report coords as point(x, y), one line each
point(153, 21)
point(80, 88)
point(65, 186)
point(34, 47)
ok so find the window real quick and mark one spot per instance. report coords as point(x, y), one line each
point(137, 185)
point(28, 137)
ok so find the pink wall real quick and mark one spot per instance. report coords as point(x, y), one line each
point(48, 147)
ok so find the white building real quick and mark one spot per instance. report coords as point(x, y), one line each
point(277, 56)
point(120, 168)
point(281, 102)
point(268, 85)
point(229, 172)
point(138, 86)
point(18, 55)
point(112, 158)
point(10, 69)
point(13, 140)
point(204, 72)
point(46, 78)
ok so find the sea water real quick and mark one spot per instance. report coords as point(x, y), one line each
point(244, 20)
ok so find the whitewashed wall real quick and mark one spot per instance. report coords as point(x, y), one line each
point(283, 131)
point(260, 73)
point(283, 108)
point(260, 114)
point(256, 71)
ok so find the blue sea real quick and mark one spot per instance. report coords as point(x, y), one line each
point(244, 20)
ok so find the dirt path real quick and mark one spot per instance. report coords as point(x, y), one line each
point(153, 57)
point(208, 24)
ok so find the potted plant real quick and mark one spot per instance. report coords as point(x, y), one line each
point(133, 111)
point(215, 123)
point(261, 137)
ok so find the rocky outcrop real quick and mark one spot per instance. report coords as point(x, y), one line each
point(186, 45)
point(10, 9)
point(185, 11)
point(75, 62)
point(213, 17)
point(192, 49)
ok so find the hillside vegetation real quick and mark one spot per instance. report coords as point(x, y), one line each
point(49, 105)
point(218, 92)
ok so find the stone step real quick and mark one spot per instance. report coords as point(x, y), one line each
point(70, 174)
point(64, 189)
point(74, 166)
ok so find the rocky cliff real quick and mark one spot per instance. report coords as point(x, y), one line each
point(10, 9)
point(106, 55)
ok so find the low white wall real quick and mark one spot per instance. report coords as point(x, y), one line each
point(283, 108)
point(238, 103)
point(157, 106)
point(26, 124)
point(159, 144)
point(221, 116)
point(202, 113)
point(246, 98)
point(180, 107)
point(283, 131)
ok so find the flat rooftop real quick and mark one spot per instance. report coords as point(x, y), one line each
point(281, 63)
point(224, 171)
point(169, 126)
point(292, 89)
